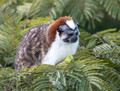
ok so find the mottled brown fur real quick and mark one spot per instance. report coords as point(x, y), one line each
point(33, 47)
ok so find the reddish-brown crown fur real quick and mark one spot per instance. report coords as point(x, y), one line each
point(53, 27)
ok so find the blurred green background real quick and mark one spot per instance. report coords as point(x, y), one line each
point(93, 15)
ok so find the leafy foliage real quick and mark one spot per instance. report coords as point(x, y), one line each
point(87, 12)
point(65, 76)
point(84, 11)
point(36, 8)
point(9, 38)
point(112, 7)
point(106, 45)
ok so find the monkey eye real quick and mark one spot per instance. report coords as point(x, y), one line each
point(59, 30)
point(71, 34)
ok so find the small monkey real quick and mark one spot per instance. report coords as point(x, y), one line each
point(48, 43)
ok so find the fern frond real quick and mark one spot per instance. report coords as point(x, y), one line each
point(9, 39)
point(73, 75)
point(112, 7)
point(107, 51)
point(105, 44)
point(36, 8)
point(83, 11)
point(5, 3)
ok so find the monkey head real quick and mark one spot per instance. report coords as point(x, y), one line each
point(69, 31)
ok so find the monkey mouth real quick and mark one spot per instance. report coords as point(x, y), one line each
point(70, 41)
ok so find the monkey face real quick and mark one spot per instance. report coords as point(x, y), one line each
point(68, 34)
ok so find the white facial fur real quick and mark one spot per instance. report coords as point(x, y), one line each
point(59, 50)
point(63, 36)
point(71, 24)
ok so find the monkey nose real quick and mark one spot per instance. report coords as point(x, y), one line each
point(73, 39)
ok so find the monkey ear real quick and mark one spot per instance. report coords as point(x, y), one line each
point(77, 24)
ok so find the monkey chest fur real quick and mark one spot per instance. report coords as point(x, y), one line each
point(59, 50)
